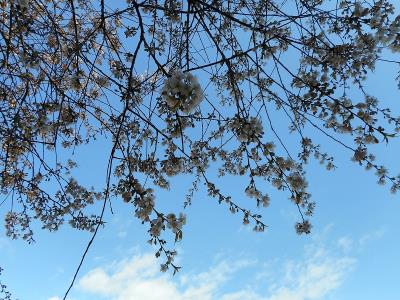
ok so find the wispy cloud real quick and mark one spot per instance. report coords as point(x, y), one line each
point(314, 278)
point(140, 278)
point(345, 243)
point(317, 274)
point(371, 236)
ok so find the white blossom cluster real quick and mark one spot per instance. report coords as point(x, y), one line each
point(173, 222)
point(173, 166)
point(252, 192)
point(360, 154)
point(23, 4)
point(156, 226)
point(247, 130)
point(198, 157)
point(297, 182)
point(145, 204)
point(176, 223)
point(386, 32)
point(182, 91)
point(303, 227)
point(117, 69)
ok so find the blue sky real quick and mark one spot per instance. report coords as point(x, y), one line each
point(352, 253)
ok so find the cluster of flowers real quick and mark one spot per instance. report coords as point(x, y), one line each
point(156, 226)
point(23, 4)
point(144, 203)
point(173, 166)
point(198, 157)
point(303, 227)
point(252, 192)
point(176, 223)
point(171, 10)
point(182, 91)
point(117, 69)
point(247, 130)
point(360, 154)
point(297, 182)
point(173, 222)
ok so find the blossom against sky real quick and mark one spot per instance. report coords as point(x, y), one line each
point(352, 252)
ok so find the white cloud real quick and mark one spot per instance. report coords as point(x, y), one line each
point(313, 277)
point(371, 236)
point(134, 279)
point(138, 277)
point(245, 294)
point(122, 234)
point(345, 243)
point(54, 298)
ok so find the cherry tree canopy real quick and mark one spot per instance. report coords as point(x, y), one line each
point(184, 87)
